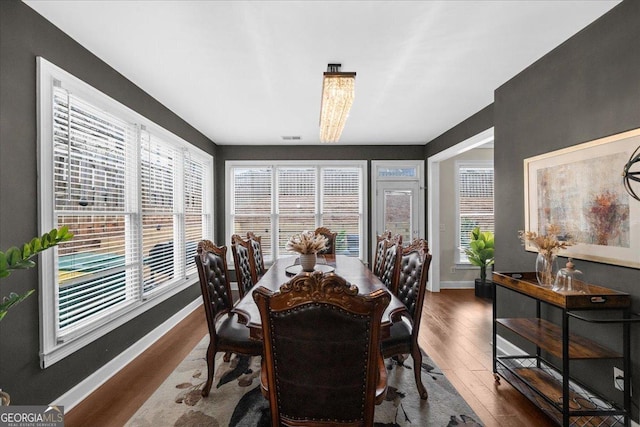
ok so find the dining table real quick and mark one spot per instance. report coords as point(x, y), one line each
point(352, 269)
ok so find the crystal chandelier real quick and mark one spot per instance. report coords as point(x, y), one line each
point(338, 90)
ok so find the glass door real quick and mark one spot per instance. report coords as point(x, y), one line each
point(398, 209)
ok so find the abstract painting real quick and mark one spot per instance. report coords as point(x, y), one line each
point(580, 189)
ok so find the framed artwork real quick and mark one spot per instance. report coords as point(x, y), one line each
point(580, 189)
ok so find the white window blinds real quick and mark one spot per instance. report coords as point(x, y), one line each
point(90, 172)
point(252, 195)
point(475, 201)
point(341, 206)
point(137, 199)
point(289, 197)
point(296, 202)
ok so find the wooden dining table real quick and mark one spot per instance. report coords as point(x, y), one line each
point(284, 269)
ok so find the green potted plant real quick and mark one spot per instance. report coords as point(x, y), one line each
point(19, 258)
point(481, 254)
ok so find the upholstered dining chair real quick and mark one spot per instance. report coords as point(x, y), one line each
point(391, 261)
point(413, 269)
point(225, 333)
point(245, 264)
point(258, 256)
point(378, 254)
point(331, 240)
point(321, 376)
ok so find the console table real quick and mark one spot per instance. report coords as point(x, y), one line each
point(549, 384)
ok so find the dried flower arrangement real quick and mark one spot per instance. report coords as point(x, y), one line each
point(307, 242)
point(547, 245)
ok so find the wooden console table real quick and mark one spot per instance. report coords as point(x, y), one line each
point(550, 385)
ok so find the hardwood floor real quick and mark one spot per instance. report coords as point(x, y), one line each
point(455, 332)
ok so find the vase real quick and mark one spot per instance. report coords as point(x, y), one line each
point(5, 399)
point(546, 269)
point(307, 262)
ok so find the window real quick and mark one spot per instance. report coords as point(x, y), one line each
point(135, 197)
point(474, 182)
point(276, 201)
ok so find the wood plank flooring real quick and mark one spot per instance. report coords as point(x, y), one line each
point(455, 331)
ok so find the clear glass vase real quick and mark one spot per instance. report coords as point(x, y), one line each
point(546, 268)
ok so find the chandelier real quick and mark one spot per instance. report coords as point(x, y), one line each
point(338, 90)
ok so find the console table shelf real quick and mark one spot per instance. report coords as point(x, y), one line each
point(543, 386)
point(548, 336)
point(550, 387)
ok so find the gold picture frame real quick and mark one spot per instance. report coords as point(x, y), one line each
point(581, 190)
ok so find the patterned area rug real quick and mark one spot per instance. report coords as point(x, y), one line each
point(235, 398)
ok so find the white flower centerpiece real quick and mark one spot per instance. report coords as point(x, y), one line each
point(307, 244)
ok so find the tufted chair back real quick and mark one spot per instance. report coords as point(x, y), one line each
point(244, 262)
point(256, 247)
point(334, 374)
point(391, 261)
point(412, 277)
point(331, 237)
point(225, 332)
point(413, 268)
point(378, 256)
point(214, 281)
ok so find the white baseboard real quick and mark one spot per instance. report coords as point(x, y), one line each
point(465, 284)
point(83, 389)
point(507, 347)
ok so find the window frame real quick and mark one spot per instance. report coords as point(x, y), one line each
point(54, 347)
point(461, 260)
point(361, 165)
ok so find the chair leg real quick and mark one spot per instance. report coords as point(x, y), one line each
point(227, 356)
point(416, 354)
point(211, 356)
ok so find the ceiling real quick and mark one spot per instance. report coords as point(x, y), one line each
point(250, 72)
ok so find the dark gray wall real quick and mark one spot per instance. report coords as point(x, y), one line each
point(24, 35)
point(585, 89)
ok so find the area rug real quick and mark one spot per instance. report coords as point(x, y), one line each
point(235, 398)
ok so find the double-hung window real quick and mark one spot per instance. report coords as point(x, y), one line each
point(277, 200)
point(134, 195)
point(474, 180)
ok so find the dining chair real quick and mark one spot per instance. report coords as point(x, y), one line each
point(244, 262)
point(322, 363)
point(226, 334)
point(391, 262)
point(331, 240)
point(378, 254)
point(256, 247)
point(413, 271)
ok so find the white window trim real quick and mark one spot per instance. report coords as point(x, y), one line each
point(361, 164)
point(461, 260)
point(51, 349)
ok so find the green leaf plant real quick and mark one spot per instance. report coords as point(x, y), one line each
point(19, 258)
point(481, 251)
